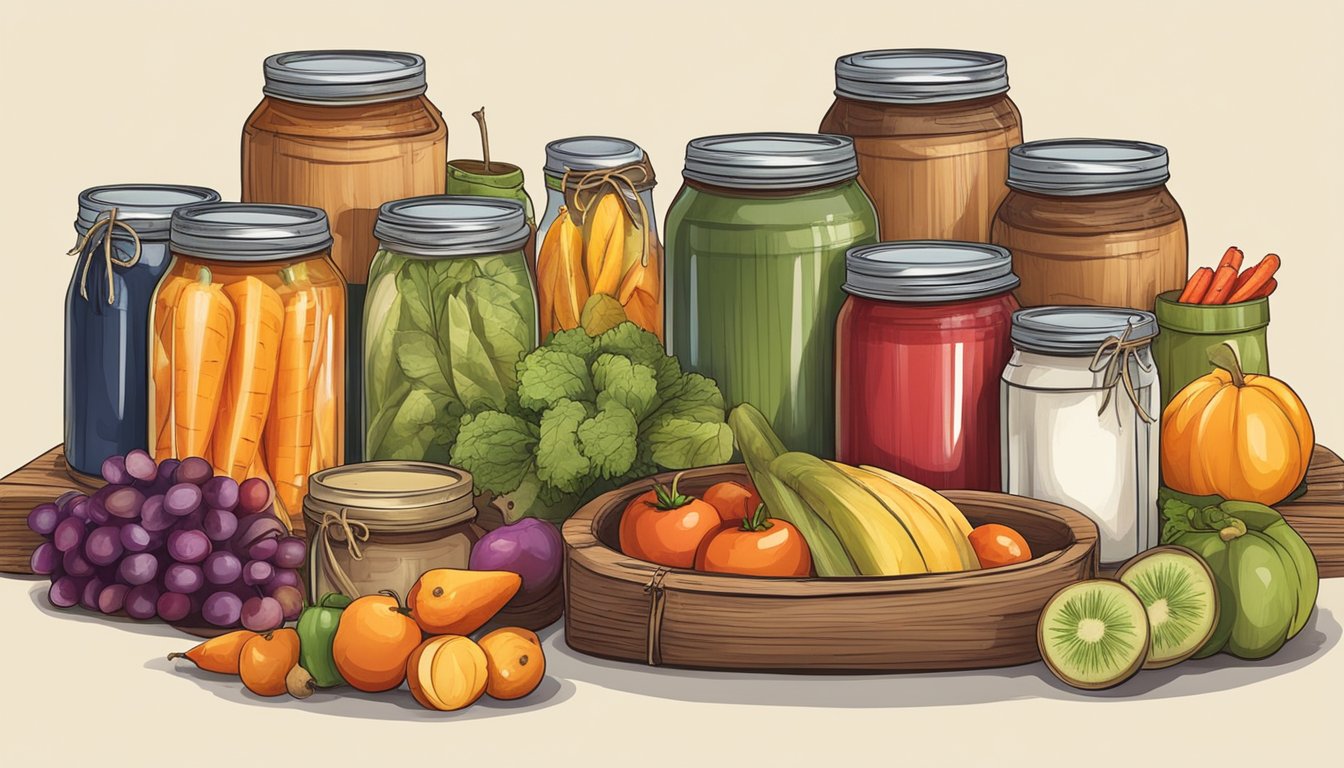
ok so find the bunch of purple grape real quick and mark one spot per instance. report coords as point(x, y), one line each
point(171, 540)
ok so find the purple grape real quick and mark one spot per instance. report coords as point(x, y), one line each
point(112, 598)
point(173, 606)
point(222, 609)
point(220, 524)
point(283, 577)
point(290, 552)
point(67, 500)
point(142, 601)
point(182, 499)
point(139, 568)
point(222, 568)
point(44, 519)
point(46, 559)
point(291, 601)
point(80, 509)
point(141, 466)
point(157, 540)
point(194, 471)
point(167, 469)
point(256, 573)
point(65, 591)
point(180, 577)
point(95, 511)
point(221, 492)
point(153, 515)
point(253, 528)
point(114, 471)
point(75, 564)
point(193, 522)
point(134, 537)
point(264, 549)
point(260, 614)
point(103, 545)
point(88, 597)
point(69, 534)
point(124, 502)
point(188, 546)
point(253, 496)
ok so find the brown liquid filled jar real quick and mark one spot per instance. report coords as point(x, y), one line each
point(932, 129)
point(1090, 222)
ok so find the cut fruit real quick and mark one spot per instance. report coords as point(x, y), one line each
point(1178, 591)
point(1094, 634)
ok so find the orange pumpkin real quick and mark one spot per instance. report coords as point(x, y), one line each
point(1236, 435)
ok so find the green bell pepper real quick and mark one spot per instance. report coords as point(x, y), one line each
point(317, 629)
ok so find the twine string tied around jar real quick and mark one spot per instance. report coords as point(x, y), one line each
point(1112, 359)
point(354, 532)
point(102, 233)
point(584, 190)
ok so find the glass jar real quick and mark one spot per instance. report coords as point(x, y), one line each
point(756, 259)
point(599, 238)
point(345, 131)
point(451, 311)
point(123, 251)
point(1079, 409)
point(249, 361)
point(919, 347)
point(1188, 330)
point(932, 129)
point(1090, 222)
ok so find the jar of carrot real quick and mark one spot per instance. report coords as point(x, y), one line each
point(248, 336)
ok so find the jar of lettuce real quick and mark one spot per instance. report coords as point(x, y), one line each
point(450, 311)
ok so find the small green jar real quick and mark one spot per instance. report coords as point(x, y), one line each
point(1188, 330)
point(473, 178)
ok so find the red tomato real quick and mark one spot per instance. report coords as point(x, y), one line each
point(733, 500)
point(997, 545)
point(666, 527)
point(759, 546)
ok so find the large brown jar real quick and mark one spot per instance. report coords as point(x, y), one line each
point(1090, 222)
point(345, 131)
point(932, 129)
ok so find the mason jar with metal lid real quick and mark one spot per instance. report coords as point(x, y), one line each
point(345, 131)
point(919, 348)
point(932, 128)
point(1079, 411)
point(599, 190)
point(1090, 222)
point(249, 346)
point(123, 251)
point(379, 525)
point(756, 258)
point(450, 313)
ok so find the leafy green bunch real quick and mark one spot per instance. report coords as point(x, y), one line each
point(592, 413)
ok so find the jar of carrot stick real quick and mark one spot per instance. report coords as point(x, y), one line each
point(248, 346)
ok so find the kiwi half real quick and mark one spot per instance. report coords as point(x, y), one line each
point(1093, 634)
point(1178, 591)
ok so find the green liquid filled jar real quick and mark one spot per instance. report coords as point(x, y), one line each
point(1188, 330)
point(756, 242)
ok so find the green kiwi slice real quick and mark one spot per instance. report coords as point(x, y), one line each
point(1178, 591)
point(1093, 634)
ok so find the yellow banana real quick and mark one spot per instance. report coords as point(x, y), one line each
point(952, 517)
point(875, 540)
point(936, 543)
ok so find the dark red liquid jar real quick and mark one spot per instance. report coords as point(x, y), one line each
point(921, 342)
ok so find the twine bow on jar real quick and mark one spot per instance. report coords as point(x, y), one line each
point(1112, 360)
point(354, 533)
point(583, 191)
point(101, 233)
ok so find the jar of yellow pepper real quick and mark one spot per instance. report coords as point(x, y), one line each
point(248, 345)
point(600, 261)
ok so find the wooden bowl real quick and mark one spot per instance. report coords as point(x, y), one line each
point(621, 608)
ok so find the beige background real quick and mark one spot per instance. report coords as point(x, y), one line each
point(1246, 96)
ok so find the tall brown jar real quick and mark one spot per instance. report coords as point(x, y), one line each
point(345, 131)
point(1090, 222)
point(932, 129)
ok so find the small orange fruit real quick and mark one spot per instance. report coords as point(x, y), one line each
point(451, 601)
point(372, 642)
point(447, 672)
point(266, 659)
point(516, 662)
point(996, 545)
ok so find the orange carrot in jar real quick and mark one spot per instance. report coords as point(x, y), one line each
point(1232, 257)
point(203, 324)
point(1221, 287)
point(1197, 286)
point(328, 440)
point(250, 378)
point(1264, 273)
point(571, 286)
point(288, 436)
point(162, 419)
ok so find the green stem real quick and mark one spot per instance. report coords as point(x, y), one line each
point(756, 521)
point(485, 137)
point(1224, 356)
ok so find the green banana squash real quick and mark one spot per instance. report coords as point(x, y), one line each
point(1267, 576)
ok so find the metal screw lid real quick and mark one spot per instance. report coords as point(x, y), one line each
point(344, 77)
point(146, 207)
point(1078, 331)
point(771, 161)
point(452, 225)
point(1072, 167)
point(920, 75)
point(249, 231)
point(928, 271)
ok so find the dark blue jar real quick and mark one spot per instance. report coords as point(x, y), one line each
point(121, 254)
